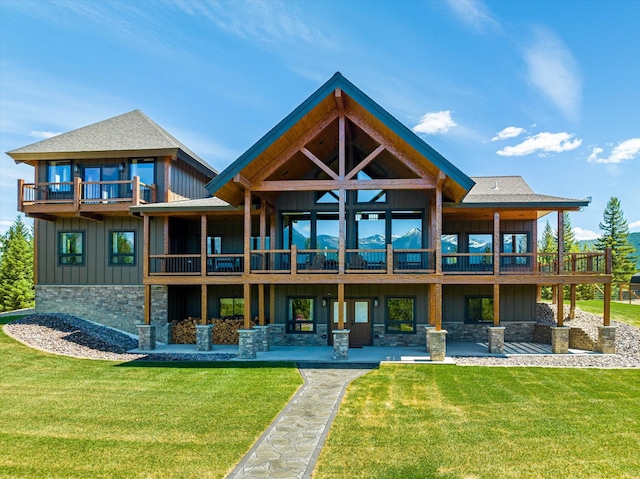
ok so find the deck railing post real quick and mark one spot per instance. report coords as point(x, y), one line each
point(390, 259)
point(135, 191)
point(20, 195)
point(294, 259)
point(77, 192)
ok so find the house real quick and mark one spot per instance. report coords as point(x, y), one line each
point(340, 226)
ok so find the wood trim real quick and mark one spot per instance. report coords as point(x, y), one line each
point(438, 229)
point(324, 185)
point(247, 306)
point(340, 305)
point(261, 321)
point(203, 245)
point(496, 304)
point(438, 306)
point(241, 180)
point(338, 96)
point(496, 243)
point(247, 231)
point(145, 246)
point(560, 242)
point(372, 156)
point(342, 150)
point(147, 304)
point(318, 163)
point(534, 248)
point(36, 234)
point(292, 149)
point(560, 303)
point(342, 229)
point(572, 307)
point(20, 195)
point(606, 314)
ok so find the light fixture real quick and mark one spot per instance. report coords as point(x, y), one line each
point(324, 303)
point(375, 303)
point(121, 167)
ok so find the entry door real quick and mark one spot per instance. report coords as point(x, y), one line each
point(357, 318)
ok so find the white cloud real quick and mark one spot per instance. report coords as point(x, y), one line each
point(582, 235)
point(435, 122)
point(509, 132)
point(44, 134)
point(627, 150)
point(634, 225)
point(474, 13)
point(543, 143)
point(553, 70)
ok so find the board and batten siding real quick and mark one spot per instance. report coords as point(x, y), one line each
point(187, 182)
point(96, 269)
point(517, 302)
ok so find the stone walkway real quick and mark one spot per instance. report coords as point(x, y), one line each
point(290, 446)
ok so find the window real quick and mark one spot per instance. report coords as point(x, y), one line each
point(71, 248)
point(301, 315)
point(59, 172)
point(400, 315)
point(515, 243)
point(479, 309)
point(449, 246)
point(482, 247)
point(369, 196)
point(122, 248)
point(214, 244)
point(231, 307)
point(371, 227)
point(143, 168)
point(329, 197)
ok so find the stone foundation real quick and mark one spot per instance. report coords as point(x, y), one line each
point(247, 344)
point(146, 337)
point(514, 332)
point(380, 338)
point(204, 337)
point(262, 338)
point(278, 336)
point(607, 339)
point(496, 339)
point(341, 344)
point(437, 344)
point(120, 307)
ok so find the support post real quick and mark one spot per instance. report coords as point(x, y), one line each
point(437, 344)
point(341, 344)
point(496, 339)
point(340, 305)
point(607, 305)
point(560, 339)
point(247, 231)
point(145, 246)
point(438, 307)
point(560, 305)
point(572, 304)
point(496, 245)
point(496, 304)
point(147, 304)
point(261, 304)
point(204, 337)
point(560, 242)
point(203, 245)
point(272, 303)
point(203, 304)
point(247, 306)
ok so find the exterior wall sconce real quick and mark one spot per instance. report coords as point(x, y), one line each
point(121, 167)
point(76, 169)
point(324, 303)
point(375, 303)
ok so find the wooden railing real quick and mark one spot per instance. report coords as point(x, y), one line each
point(83, 194)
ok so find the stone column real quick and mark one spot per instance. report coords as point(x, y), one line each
point(427, 328)
point(607, 339)
point(164, 332)
point(146, 337)
point(341, 344)
point(437, 344)
point(560, 339)
point(262, 338)
point(247, 343)
point(204, 337)
point(496, 339)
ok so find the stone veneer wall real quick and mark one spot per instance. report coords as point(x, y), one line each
point(278, 337)
point(380, 338)
point(514, 332)
point(120, 307)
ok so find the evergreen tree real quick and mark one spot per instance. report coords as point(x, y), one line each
point(16, 268)
point(616, 237)
point(548, 244)
point(570, 245)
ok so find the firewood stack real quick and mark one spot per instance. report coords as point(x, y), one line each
point(225, 331)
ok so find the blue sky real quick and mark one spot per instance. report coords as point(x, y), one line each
point(549, 90)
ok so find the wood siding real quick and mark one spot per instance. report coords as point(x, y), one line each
point(96, 268)
point(517, 302)
point(187, 182)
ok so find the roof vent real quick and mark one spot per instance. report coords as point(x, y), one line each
point(495, 187)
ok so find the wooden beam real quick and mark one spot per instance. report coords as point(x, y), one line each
point(147, 304)
point(247, 231)
point(327, 185)
point(606, 314)
point(41, 216)
point(340, 305)
point(370, 157)
point(263, 225)
point(496, 242)
point(342, 149)
point(437, 244)
point(203, 245)
point(247, 306)
point(292, 149)
point(560, 303)
point(432, 304)
point(203, 304)
point(261, 321)
point(90, 216)
point(572, 304)
point(272, 303)
point(560, 242)
point(145, 246)
point(534, 249)
point(342, 229)
point(496, 304)
point(437, 307)
point(241, 180)
point(318, 163)
point(338, 96)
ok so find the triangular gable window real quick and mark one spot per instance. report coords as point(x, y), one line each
point(329, 197)
point(369, 196)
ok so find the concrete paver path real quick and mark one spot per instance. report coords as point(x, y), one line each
point(290, 446)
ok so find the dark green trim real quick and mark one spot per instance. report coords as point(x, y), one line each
point(111, 254)
point(83, 254)
point(338, 81)
point(290, 324)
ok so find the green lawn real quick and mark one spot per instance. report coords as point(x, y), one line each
point(470, 422)
point(63, 417)
point(624, 312)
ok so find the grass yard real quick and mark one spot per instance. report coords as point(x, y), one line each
point(71, 418)
point(623, 312)
point(471, 422)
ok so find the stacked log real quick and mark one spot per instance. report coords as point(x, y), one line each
point(225, 331)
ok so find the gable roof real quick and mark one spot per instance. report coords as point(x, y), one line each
point(513, 191)
point(316, 102)
point(129, 133)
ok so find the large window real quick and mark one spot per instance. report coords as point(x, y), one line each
point(479, 309)
point(71, 248)
point(482, 245)
point(59, 172)
point(301, 315)
point(400, 315)
point(231, 307)
point(515, 243)
point(143, 168)
point(371, 227)
point(122, 248)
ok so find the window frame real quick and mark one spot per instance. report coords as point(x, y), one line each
point(233, 307)
point(122, 255)
point(62, 255)
point(387, 321)
point(467, 313)
point(292, 323)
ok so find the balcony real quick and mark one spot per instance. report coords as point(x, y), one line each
point(83, 198)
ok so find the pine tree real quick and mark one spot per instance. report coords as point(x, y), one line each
point(570, 245)
point(547, 244)
point(616, 237)
point(16, 268)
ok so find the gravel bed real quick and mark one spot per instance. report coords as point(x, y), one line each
point(71, 336)
point(627, 346)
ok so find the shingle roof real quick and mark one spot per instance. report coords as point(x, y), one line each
point(200, 204)
point(512, 191)
point(133, 131)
